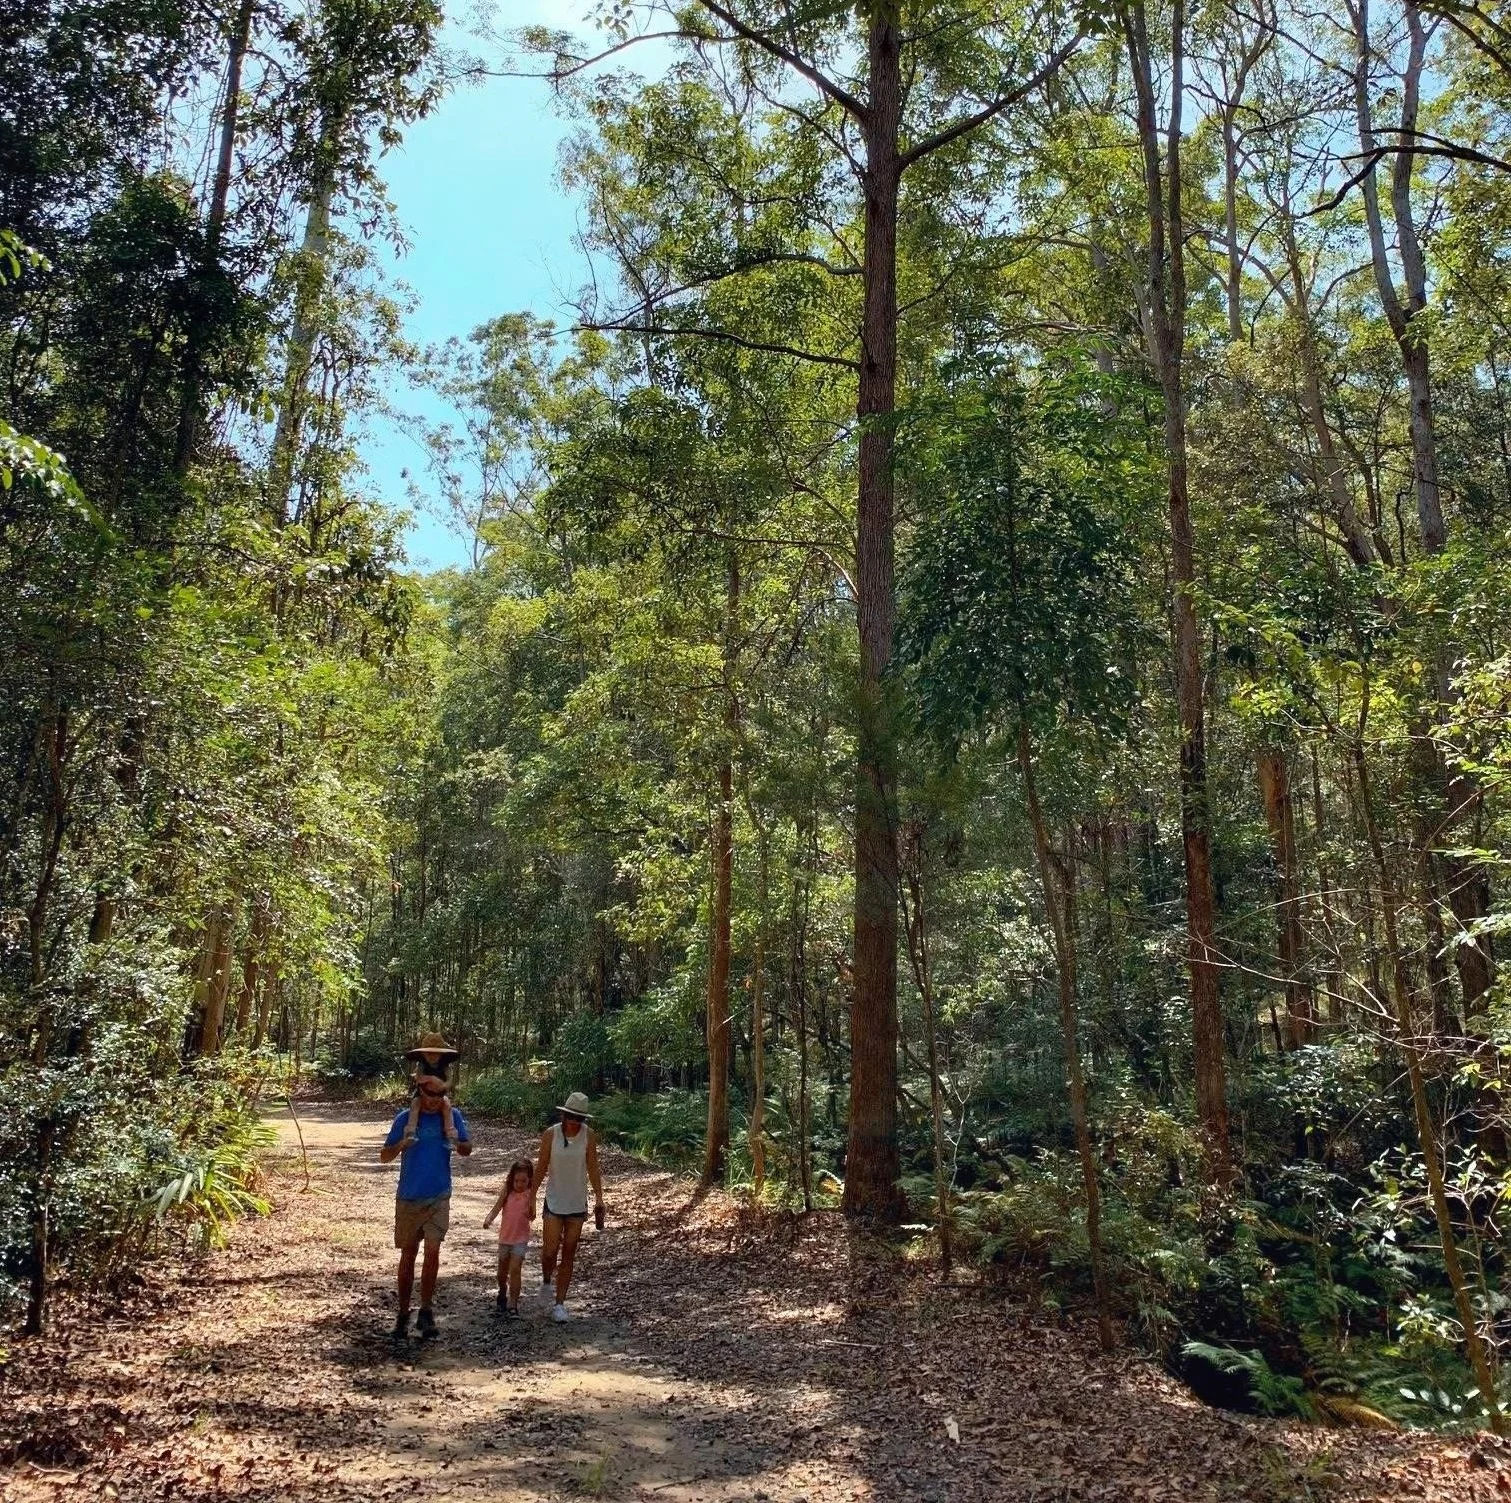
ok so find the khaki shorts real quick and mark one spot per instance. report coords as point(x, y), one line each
point(413, 1219)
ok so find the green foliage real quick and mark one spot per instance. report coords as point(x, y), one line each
point(667, 1126)
point(1271, 1392)
point(214, 1184)
point(498, 1094)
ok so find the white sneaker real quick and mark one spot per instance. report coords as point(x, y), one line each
point(560, 1314)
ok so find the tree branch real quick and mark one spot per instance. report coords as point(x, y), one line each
point(660, 331)
point(794, 60)
point(968, 123)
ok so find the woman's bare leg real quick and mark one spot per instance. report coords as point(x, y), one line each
point(550, 1242)
point(570, 1235)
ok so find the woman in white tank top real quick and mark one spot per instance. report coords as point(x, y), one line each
point(568, 1163)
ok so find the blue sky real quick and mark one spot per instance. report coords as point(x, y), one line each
point(490, 232)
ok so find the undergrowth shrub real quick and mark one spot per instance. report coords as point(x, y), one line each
point(140, 1161)
point(1319, 1294)
point(504, 1095)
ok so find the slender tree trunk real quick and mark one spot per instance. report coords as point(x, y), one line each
point(798, 997)
point(218, 983)
point(1058, 883)
point(1165, 323)
point(716, 1144)
point(1275, 783)
point(923, 975)
point(758, 1015)
point(310, 276)
point(251, 966)
point(1479, 1360)
point(215, 219)
point(1332, 971)
point(41, 1239)
point(1467, 881)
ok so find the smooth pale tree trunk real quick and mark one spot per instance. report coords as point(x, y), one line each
point(923, 976)
point(1165, 324)
point(720, 1039)
point(1332, 972)
point(215, 219)
point(872, 1164)
point(716, 1143)
point(1401, 996)
point(758, 1014)
point(309, 290)
point(797, 990)
point(1279, 813)
point(1058, 883)
point(1467, 882)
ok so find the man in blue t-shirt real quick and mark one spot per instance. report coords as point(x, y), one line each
point(422, 1212)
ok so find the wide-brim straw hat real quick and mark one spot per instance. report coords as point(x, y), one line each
point(433, 1043)
point(576, 1105)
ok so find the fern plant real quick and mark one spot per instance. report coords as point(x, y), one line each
point(1273, 1393)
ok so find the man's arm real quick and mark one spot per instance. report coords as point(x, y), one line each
point(396, 1142)
point(463, 1132)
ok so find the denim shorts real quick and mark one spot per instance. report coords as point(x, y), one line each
point(513, 1249)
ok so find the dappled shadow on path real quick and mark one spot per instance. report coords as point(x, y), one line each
point(720, 1355)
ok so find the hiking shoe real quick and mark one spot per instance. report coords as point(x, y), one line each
point(425, 1325)
point(560, 1314)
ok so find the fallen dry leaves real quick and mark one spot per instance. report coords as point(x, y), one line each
point(722, 1355)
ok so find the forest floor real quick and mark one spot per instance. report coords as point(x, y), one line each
point(716, 1356)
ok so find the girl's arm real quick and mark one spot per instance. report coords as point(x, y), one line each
point(498, 1205)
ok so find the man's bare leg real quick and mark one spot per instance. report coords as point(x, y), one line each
point(406, 1275)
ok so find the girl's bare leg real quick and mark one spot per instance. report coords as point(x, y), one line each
point(516, 1273)
point(503, 1274)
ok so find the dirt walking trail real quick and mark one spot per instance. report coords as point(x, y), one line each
point(716, 1356)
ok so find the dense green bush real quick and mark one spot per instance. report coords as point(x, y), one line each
point(137, 1160)
point(1310, 1292)
point(505, 1096)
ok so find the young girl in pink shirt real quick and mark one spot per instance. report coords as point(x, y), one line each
point(517, 1202)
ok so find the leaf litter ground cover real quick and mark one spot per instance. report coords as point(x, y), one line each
point(718, 1356)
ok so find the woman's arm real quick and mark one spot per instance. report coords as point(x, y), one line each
point(542, 1169)
point(593, 1174)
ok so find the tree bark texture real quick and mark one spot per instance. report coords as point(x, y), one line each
point(1165, 322)
point(1279, 813)
point(872, 1165)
